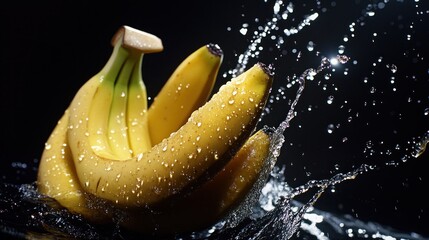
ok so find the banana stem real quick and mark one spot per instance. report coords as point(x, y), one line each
point(138, 126)
point(99, 114)
point(108, 118)
point(118, 134)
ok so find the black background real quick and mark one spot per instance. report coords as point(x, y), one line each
point(48, 50)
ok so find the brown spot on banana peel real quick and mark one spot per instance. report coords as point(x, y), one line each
point(214, 129)
point(213, 200)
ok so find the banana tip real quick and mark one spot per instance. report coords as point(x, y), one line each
point(268, 69)
point(215, 49)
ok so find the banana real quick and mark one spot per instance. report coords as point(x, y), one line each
point(213, 200)
point(107, 129)
point(138, 126)
point(198, 149)
point(108, 148)
point(117, 133)
point(186, 90)
point(57, 177)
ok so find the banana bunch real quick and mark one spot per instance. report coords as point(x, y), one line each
point(180, 164)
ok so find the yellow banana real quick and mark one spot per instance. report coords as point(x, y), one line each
point(107, 128)
point(56, 174)
point(213, 200)
point(187, 89)
point(108, 146)
point(57, 177)
point(56, 163)
point(198, 149)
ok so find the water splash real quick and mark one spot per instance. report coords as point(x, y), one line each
point(420, 146)
point(308, 74)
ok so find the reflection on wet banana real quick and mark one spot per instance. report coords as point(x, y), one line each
point(110, 147)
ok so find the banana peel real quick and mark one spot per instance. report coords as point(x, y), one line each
point(212, 201)
point(109, 147)
point(187, 89)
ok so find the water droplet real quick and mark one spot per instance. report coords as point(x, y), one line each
point(426, 112)
point(139, 157)
point(370, 13)
point(243, 31)
point(334, 61)
point(48, 146)
point(341, 49)
point(343, 59)
point(337, 166)
point(327, 76)
point(392, 68)
point(330, 99)
point(310, 46)
point(330, 128)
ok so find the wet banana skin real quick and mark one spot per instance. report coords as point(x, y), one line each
point(212, 201)
point(83, 159)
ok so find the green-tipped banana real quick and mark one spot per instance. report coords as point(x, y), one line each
point(107, 127)
point(186, 90)
point(109, 147)
point(208, 204)
point(138, 129)
point(56, 175)
point(117, 133)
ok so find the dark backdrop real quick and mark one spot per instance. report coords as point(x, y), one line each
point(48, 50)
